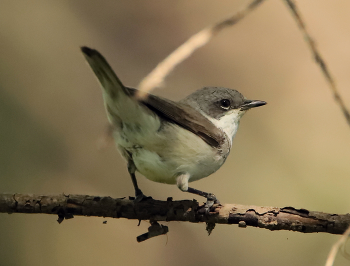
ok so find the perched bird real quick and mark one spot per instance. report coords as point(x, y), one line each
point(166, 141)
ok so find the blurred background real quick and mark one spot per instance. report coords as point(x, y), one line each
point(292, 152)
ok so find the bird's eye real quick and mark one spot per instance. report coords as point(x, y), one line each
point(225, 104)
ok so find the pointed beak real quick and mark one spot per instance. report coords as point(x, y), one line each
point(248, 104)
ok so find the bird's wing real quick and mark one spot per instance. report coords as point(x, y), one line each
point(115, 93)
point(184, 116)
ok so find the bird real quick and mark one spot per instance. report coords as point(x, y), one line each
point(166, 141)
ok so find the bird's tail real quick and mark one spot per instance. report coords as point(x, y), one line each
point(119, 100)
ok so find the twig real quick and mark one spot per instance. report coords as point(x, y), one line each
point(157, 76)
point(318, 58)
point(336, 246)
point(272, 218)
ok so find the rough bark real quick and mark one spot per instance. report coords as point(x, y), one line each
point(272, 218)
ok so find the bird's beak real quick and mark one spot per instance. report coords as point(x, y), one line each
point(248, 104)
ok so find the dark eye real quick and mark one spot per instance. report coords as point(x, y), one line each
point(225, 104)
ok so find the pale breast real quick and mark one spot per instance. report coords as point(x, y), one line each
point(164, 154)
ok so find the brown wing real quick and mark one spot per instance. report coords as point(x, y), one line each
point(186, 117)
point(178, 113)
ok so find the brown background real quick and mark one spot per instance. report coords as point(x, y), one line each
point(293, 152)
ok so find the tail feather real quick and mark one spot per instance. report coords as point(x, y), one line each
point(109, 81)
point(119, 101)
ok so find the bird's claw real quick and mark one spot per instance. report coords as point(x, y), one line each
point(139, 196)
point(212, 197)
point(211, 200)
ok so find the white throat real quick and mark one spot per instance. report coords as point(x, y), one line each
point(228, 123)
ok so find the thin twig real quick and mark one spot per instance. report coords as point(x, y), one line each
point(318, 58)
point(336, 246)
point(156, 77)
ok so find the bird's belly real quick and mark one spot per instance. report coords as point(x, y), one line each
point(164, 155)
point(162, 170)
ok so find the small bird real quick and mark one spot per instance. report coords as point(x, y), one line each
point(166, 141)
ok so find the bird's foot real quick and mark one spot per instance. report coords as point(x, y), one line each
point(139, 196)
point(212, 197)
point(211, 201)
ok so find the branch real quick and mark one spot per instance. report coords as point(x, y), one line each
point(337, 245)
point(156, 77)
point(318, 58)
point(272, 218)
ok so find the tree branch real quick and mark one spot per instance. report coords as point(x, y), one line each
point(272, 218)
point(318, 58)
point(156, 77)
point(336, 246)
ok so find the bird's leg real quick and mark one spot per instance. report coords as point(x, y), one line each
point(132, 169)
point(208, 196)
point(182, 184)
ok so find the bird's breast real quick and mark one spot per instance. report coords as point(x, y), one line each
point(161, 155)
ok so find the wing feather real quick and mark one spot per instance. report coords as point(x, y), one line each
point(115, 93)
point(185, 116)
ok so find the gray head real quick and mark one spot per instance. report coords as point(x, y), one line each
point(216, 102)
point(223, 107)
